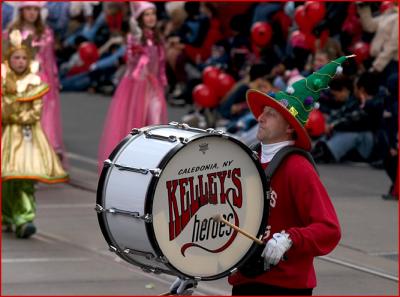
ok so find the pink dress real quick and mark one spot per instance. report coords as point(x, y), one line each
point(51, 115)
point(139, 99)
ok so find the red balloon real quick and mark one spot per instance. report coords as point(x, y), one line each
point(261, 33)
point(386, 5)
point(303, 40)
point(323, 38)
point(88, 52)
point(310, 41)
point(301, 19)
point(315, 125)
point(226, 82)
point(284, 21)
point(298, 39)
point(361, 50)
point(315, 12)
point(204, 96)
point(210, 76)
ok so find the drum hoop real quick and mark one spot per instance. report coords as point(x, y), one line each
point(153, 185)
point(102, 216)
point(99, 195)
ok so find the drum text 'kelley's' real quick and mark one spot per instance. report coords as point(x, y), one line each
point(187, 195)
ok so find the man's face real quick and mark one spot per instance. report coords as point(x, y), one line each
point(273, 127)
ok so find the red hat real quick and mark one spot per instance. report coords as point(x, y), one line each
point(297, 101)
point(258, 100)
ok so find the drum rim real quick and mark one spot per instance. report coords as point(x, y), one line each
point(100, 190)
point(152, 187)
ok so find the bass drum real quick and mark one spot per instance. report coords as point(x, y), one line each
point(160, 190)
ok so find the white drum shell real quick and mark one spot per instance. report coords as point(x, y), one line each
point(125, 190)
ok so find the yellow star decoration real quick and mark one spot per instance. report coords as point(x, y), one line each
point(293, 111)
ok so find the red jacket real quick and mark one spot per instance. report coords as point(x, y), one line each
point(301, 206)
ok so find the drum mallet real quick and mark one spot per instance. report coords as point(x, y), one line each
point(220, 218)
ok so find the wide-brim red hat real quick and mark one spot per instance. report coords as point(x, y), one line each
point(298, 100)
point(258, 100)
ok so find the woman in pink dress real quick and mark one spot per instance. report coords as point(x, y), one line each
point(139, 99)
point(29, 18)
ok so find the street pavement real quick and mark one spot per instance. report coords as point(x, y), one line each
point(69, 256)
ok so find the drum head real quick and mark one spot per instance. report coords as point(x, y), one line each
point(211, 175)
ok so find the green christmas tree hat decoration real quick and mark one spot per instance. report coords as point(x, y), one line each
point(296, 103)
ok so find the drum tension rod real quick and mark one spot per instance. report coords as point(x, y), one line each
point(147, 217)
point(185, 126)
point(147, 255)
point(156, 172)
point(170, 138)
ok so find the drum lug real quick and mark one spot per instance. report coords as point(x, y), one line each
point(183, 140)
point(112, 249)
point(255, 155)
point(233, 270)
point(268, 195)
point(146, 269)
point(147, 255)
point(147, 217)
point(185, 126)
point(107, 163)
point(170, 138)
point(213, 131)
point(135, 131)
point(99, 208)
point(162, 259)
point(156, 172)
point(151, 270)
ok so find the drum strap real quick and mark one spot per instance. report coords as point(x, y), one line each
point(279, 157)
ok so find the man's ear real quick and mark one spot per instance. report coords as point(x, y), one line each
point(289, 129)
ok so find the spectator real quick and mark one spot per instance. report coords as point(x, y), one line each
point(235, 104)
point(390, 129)
point(340, 90)
point(384, 45)
point(354, 126)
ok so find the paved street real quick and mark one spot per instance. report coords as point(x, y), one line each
point(69, 256)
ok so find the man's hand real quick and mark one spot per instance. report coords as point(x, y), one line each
point(275, 248)
point(181, 286)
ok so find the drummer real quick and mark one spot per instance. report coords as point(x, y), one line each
point(302, 223)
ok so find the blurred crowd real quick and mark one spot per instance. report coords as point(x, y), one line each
point(216, 51)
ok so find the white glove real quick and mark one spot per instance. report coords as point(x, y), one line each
point(182, 286)
point(275, 248)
